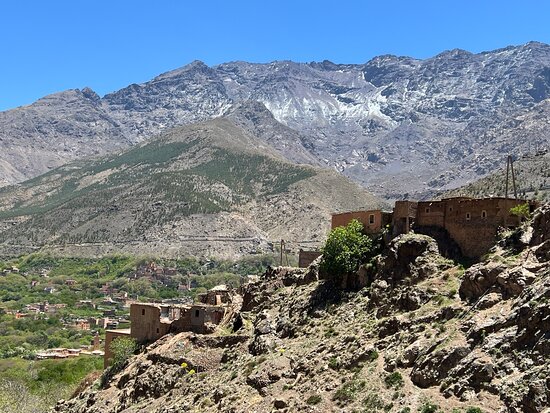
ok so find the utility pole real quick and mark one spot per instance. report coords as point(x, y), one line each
point(510, 168)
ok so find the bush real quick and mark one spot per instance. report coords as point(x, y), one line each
point(122, 348)
point(346, 249)
point(474, 410)
point(521, 210)
point(314, 399)
point(394, 379)
point(349, 390)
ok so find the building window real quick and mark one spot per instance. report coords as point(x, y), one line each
point(483, 214)
point(427, 210)
point(158, 331)
point(196, 313)
point(371, 219)
point(450, 209)
point(468, 216)
point(143, 311)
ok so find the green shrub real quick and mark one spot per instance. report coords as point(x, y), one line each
point(334, 363)
point(394, 379)
point(348, 391)
point(346, 249)
point(474, 410)
point(314, 399)
point(122, 348)
point(521, 210)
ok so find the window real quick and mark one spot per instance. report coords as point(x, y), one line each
point(143, 311)
point(158, 331)
point(196, 313)
point(483, 214)
point(371, 219)
point(450, 209)
point(468, 216)
point(427, 210)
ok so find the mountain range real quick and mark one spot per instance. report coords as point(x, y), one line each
point(401, 127)
point(212, 188)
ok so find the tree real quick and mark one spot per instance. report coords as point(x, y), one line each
point(521, 210)
point(346, 249)
point(122, 348)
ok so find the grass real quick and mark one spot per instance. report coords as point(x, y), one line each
point(349, 390)
point(35, 386)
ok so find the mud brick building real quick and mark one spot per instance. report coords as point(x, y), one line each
point(151, 321)
point(373, 220)
point(472, 224)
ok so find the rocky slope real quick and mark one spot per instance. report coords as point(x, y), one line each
point(395, 124)
point(424, 335)
point(208, 189)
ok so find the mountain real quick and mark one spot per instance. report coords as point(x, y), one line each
point(206, 189)
point(425, 336)
point(398, 125)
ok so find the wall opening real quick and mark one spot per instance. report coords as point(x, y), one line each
point(196, 313)
point(158, 331)
point(371, 219)
point(483, 214)
point(468, 216)
point(427, 210)
point(143, 311)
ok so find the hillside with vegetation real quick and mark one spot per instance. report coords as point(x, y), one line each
point(532, 174)
point(43, 299)
point(208, 189)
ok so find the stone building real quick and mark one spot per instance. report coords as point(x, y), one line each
point(373, 220)
point(472, 224)
point(150, 321)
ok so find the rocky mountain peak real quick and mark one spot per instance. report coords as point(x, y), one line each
point(395, 124)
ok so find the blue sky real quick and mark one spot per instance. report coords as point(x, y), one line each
point(49, 46)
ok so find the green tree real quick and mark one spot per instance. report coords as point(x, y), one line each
point(123, 348)
point(346, 249)
point(521, 210)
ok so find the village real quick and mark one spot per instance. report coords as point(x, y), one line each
point(463, 228)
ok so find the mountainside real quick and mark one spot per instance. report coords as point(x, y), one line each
point(395, 124)
point(207, 189)
point(424, 336)
point(532, 175)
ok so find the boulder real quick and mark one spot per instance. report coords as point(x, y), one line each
point(479, 278)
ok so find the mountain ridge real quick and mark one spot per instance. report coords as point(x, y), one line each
point(392, 124)
point(206, 189)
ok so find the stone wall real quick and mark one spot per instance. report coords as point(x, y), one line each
point(373, 220)
point(146, 322)
point(305, 258)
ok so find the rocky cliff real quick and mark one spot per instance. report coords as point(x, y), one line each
point(423, 335)
point(395, 124)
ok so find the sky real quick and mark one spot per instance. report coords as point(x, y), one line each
point(54, 45)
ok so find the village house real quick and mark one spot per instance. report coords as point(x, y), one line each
point(469, 222)
point(150, 321)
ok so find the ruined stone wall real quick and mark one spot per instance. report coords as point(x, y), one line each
point(403, 217)
point(146, 322)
